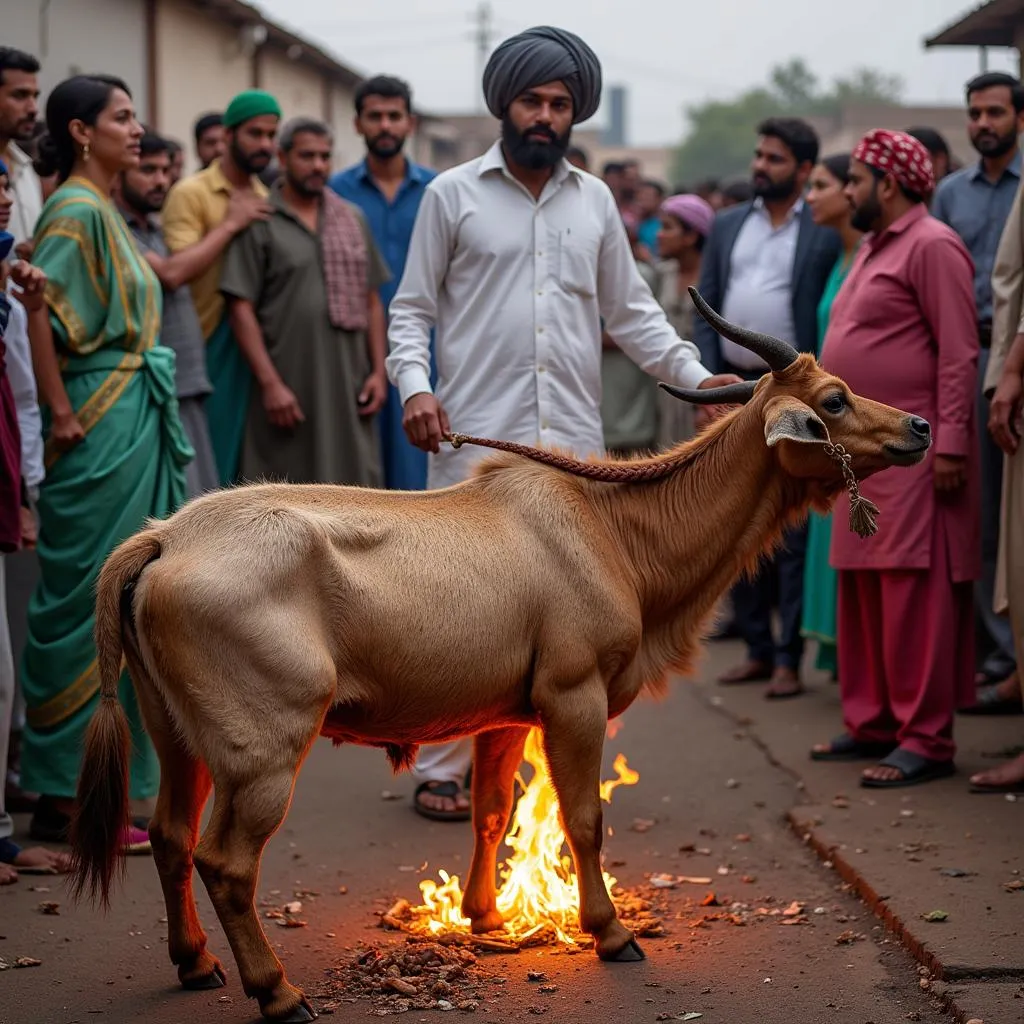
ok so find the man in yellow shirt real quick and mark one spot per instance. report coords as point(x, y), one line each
point(196, 206)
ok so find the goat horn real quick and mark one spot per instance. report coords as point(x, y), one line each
point(728, 394)
point(776, 353)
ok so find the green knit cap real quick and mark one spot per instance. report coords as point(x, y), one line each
point(249, 104)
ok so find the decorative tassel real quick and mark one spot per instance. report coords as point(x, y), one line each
point(863, 512)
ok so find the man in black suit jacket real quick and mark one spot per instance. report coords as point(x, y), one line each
point(765, 266)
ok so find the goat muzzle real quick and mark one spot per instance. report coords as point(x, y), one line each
point(778, 354)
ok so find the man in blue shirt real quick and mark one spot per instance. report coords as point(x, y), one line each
point(975, 202)
point(388, 188)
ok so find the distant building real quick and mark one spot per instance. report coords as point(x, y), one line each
point(182, 58)
point(999, 23)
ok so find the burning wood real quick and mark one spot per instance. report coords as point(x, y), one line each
point(538, 896)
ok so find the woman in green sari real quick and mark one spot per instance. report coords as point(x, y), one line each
point(115, 450)
point(830, 208)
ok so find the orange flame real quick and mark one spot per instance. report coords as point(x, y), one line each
point(538, 884)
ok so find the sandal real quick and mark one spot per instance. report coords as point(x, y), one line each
point(445, 789)
point(913, 768)
point(846, 748)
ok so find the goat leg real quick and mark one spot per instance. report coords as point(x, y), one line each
point(496, 756)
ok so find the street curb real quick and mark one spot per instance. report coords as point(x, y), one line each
point(831, 857)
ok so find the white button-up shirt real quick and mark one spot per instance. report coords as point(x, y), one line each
point(28, 194)
point(760, 291)
point(516, 289)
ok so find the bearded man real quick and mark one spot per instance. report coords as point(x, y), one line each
point(903, 332)
point(195, 207)
point(765, 266)
point(515, 259)
point(388, 187)
point(975, 202)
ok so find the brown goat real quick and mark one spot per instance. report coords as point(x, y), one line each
point(257, 618)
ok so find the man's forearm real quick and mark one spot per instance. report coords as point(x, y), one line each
point(185, 266)
point(376, 333)
point(249, 339)
point(1015, 358)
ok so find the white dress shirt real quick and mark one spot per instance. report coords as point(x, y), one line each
point(26, 399)
point(516, 289)
point(28, 194)
point(760, 291)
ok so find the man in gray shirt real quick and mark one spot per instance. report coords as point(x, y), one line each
point(975, 202)
point(140, 195)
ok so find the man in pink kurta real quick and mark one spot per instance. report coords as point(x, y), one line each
point(903, 332)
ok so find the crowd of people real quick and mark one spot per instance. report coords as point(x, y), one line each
point(269, 317)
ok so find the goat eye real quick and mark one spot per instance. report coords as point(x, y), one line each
point(834, 404)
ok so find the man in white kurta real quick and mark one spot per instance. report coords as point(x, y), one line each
point(515, 259)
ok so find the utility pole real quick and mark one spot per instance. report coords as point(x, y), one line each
point(482, 35)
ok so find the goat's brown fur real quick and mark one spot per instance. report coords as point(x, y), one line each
point(263, 616)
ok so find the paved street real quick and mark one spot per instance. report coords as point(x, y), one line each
point(715, 764)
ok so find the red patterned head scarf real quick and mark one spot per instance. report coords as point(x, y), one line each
point(900, 155)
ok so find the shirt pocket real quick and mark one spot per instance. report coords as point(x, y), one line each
point(576, 265)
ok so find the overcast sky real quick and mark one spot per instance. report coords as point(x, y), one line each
point(667, 52)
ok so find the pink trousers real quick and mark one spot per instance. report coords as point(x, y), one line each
point(906, 655)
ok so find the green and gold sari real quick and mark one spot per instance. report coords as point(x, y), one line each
point(105, 310)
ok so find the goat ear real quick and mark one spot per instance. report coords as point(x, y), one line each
point(788, 419)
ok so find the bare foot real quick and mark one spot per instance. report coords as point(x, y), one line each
point(785, 683)
point(37, 858)
point(882, 773)
point(8, 876)
point(1009, 773)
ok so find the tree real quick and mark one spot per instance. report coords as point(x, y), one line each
point(720, 139)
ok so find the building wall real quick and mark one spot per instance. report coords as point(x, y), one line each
point(298, 88)
point(201, 63)
point(76, 36)
point(348, 146)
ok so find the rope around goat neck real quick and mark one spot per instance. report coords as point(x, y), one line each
point(863, 512)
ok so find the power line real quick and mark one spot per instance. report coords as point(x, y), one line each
point(483, 35)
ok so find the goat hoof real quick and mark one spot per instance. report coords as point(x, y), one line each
point(215, 979)
point(631, 953)
point(300, 1015)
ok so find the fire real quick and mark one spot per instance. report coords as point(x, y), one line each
point(538, 891)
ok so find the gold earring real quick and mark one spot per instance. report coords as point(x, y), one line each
point(85, 153)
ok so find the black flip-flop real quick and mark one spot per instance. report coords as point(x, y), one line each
point(913, 768)
point(846, 748)
point(445, 789)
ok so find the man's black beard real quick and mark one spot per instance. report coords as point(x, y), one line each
point(250, 163)
point(772, 190)
point(535, 156)
point(299, 187)
point(995, 147)
point(868, 214)
point(385, 146)
point(138, 202)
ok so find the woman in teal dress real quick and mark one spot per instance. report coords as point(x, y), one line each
point(830, 208)
point(115, 450)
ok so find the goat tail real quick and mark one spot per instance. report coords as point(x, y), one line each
point(101, 811)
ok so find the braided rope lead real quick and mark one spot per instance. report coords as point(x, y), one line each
point(863, 513)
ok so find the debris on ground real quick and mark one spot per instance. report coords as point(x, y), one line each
point(416, 974)
point(1015, 886)
point(643, 824)
point(49, 907)
point(935, 916)
point(849, 937)
point(22, 961)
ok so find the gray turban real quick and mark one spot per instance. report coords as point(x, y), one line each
point(541, 55)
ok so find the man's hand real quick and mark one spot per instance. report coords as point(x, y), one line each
point(24, 250)
point(244, 207)
point(950, 473)
point(66, 431)
point(373, 395)
point(425, 422)
point(1004, 412)
point(29, 530)
point(705, 415)
point(281, 405)
point(32, 281)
